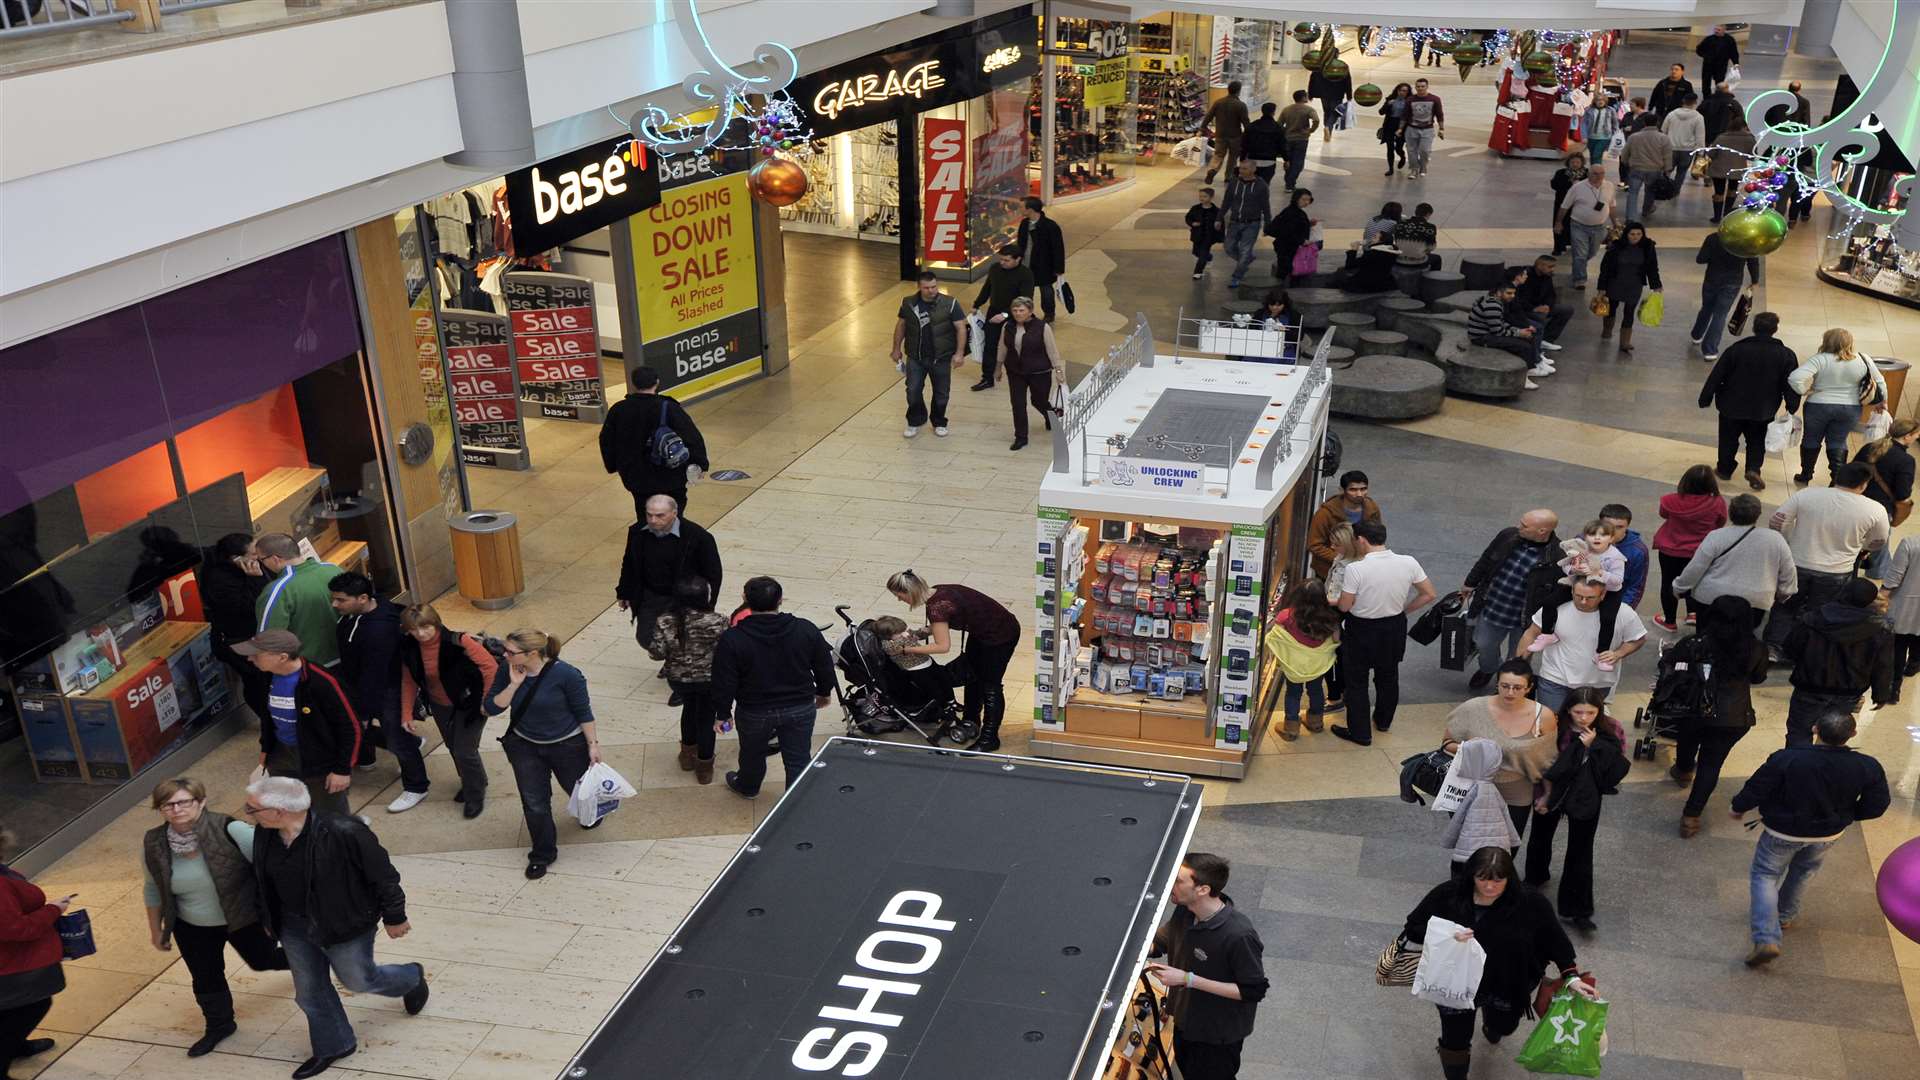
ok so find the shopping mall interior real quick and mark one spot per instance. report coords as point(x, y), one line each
point(336, 386)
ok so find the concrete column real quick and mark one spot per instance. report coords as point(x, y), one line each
point(1048, 119)
point(1817, 20)
point(490, 85)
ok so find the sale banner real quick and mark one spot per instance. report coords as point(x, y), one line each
point(697, 282)
point(556, 344)
point(943, 190)
point(1108, 83)
point(483, 390)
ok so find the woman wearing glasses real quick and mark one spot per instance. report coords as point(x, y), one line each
point(200, 893)
point(550, 734)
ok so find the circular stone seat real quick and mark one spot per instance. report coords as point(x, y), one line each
point(1389, 309)
point(1482, 274)
point(1239, 307)
point(1483, 372)
point(1387, 388)
point(1382, 343)
point(1337, 356)
point(1345, 326)
point(1461, 302)
point(1407, 278)
point(1435, 284)
point(1315, 304)
point(1255, 286)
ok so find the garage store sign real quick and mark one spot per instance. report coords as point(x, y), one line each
point(837, 97)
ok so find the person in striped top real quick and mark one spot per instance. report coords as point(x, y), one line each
point(1487, 325)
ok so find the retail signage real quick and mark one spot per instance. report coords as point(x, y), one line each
point(1222, 51)
point(1160, 63)
point(1147, 476)
point(556, 344)
point(697, 280)
point(480, 383)
point(1239, 637)
point(956, 65)
point(1108, 83)
point(943, 169)
point(571, 195)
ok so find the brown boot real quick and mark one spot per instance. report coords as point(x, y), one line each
point(1755, 482)
point(686, 757)
point(1626, 333)
point(1315, 724)
point(1288, 729)
point(1689, 827)
point(1454, 1064)
point(703, 770)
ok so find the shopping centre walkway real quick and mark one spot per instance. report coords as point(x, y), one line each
point(1327, 860)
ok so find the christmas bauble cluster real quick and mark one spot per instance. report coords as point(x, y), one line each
point(777, 182)
point(769, 135)
point(1756, 228)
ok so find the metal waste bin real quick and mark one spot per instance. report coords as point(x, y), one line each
point(486, 558)
point(1895, 374)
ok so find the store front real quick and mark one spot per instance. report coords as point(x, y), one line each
point(1867, 258)
point(139, 448)
point(928, 141)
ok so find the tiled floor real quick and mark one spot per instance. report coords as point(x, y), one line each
point(1327, 860)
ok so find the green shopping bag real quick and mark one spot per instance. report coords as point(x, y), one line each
point(1652, 309)
point(1569, 1039)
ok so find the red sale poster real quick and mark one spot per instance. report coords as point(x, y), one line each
point(481, 386)
point(943, 190)
point(556, 345)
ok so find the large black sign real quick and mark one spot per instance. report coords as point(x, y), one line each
point(926, 73)
point(571, 195)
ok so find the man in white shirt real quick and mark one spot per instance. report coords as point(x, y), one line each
point(1828, 529)
point(1584, 215)
point(1375, 595)
point(1592, 637)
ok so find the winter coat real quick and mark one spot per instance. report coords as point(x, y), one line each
point(1842, 649)
point(1482, 821)
point(1047, 257)
point(226, 865)
point(1649, 268)
point(1581, 774)
point(351, 883)
point(1519, 932)
point(770, 660)
point(1750, 380)
point(28, 940)
point(1734, 676)
point(1264, 141)
point(325, 725)
point(626, 443)
point(1331, 515)
point(370, 661)
point(1687, 519)
point(1495, 553)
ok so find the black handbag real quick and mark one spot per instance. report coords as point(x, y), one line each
point(1743, 307)
point(1664, 187)
point(1456, 641)
point(1426, 629)
point(958, 671)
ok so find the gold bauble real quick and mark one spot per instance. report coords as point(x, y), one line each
point(777, 182)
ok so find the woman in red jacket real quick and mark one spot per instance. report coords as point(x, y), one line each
point(1690, 513)
point(29, 961)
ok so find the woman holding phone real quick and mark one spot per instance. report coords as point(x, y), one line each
point(29, 960)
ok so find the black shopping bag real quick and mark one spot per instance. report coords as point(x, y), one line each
point(1456, 641)
point(76, 935)
point(1426, 629)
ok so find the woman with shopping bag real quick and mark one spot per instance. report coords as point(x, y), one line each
point(550, 734)
point(1629, 266)
point(30, 952)
point(1292, 230)
point(1515, 929)
point(1522, 728)
point(1031, 361)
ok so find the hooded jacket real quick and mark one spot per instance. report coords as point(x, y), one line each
point(370, 661)
point(1581, 774)
point(1483, 820)
point(770, 660)
point(1331, 515)
point(1842, 649)
point(1734, 671)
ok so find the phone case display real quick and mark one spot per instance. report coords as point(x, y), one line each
point(1061, 549)
point(1241, 625)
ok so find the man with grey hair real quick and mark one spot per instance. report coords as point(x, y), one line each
point(325, 883)
point(1497, 586)
point(664, 550)
point(297, 596)
point(1807, 796)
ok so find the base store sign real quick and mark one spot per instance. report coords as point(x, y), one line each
point(556, 344)
point(697, 280)
point(482, 387)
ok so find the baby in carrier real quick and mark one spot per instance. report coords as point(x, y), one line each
point(1590, 555)
point(917, 678)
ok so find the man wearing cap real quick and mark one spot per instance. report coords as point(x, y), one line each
point(310, 732)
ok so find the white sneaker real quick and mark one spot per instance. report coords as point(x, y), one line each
point(910, 433)
point(407, 801)
point(1539, 371)
point(941, 432)
point(1531, 385)
point(1550, 346)
point(1695, 340)
point(1196, 277)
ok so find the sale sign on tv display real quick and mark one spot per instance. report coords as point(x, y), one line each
point(696, 276)
point(943, 165)
point(556, 345)
point(483, 390)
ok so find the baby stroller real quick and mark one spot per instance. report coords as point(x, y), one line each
point(880, 698)
point(1682, 694)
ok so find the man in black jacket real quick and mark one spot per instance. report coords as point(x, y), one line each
point(1499, 584)
point(369, 635)
point(1808, 796)
point(1747, 384)
point(325, 883)
point(780, 672)
point(1669, 92)
point(1717, 51)
point(1264, 143)
point(1043, 250)
point(627, 436)
point(1720, 288)
point(310, 732)
point(1006, 280)
point(1840, 650)
point(1536, 300)
point(1214, 970)
point(662, 551)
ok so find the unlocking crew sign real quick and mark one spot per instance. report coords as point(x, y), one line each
point(696, 276)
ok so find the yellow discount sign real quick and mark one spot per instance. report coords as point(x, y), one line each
point(1108, 83)
point(697, 284)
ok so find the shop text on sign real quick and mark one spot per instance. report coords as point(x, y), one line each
point(481, 385)
point(866, 89)
point(691, 249)
point(556, 345)
point(944, 165)
point(1142, 475)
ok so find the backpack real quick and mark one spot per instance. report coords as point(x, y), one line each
point(495, 647)
point(1684, 688)
point(666, 449)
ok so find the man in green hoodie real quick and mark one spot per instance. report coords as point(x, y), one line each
point(297, 597)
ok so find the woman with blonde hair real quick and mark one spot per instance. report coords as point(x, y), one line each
point(1032, 362)
point(550, 734)
point(1836, 382)
point(993, 633)
point(201, 893)
point(445, 675)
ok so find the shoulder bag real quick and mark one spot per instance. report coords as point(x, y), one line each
point(1397, 964)
point(1710, 562)
point(520, 703)
point(1901, 510)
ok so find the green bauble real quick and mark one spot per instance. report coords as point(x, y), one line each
point(1335, 69)
point(1546, 80)
point(1749, 234)
point(1467, 52)
point(1366, 95)
point(1313, 58)
point(1305, 32)
point(1538, 61)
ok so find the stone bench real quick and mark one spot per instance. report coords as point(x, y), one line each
point(1469, 369)
point(1382, 343)
point(1387, 388)
point(1408, 278)
point(1435, 284)
point(1337, 356)
point(1256, 285)
point(1482, 274)
point(1461, 302)
point(1315, 304)
point(1239, 307)
point(1345, 326)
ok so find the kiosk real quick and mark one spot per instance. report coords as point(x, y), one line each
point(1172, 520)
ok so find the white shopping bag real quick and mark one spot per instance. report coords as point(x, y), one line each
point(1453, 790)
point(1449, 972)
point(1733, 77)
point(598, 794)
point(1347, 118)
point(1879, 426)
point(1192, 151)
point(1618, 144)
point(976, 338)
point(1316, 235)
point(1781, 433)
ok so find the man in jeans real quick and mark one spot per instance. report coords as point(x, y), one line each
point(1648, 157)
point(325, 883)
point(1298, 121)
point(1585, 214)
point(1747, 385)
point(1426, 120)
point(780, 671)
point(931, 335)
point(1227, 119)
point(1247, 212)
point(1808, 796)
point(1841, 650)
point(1727, 274)
point(1828, 529)
point(1498, 585)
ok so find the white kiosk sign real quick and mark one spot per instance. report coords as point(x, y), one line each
point(1144, 475)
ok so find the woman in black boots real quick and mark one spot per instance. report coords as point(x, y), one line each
point(1591, 763)
point(1629, 266)
point(993, 633)
point(1516, 928)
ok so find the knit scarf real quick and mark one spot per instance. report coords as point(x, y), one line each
point(185, 845)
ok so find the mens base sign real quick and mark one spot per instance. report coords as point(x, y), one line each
point(556, 345)
point(483, 390)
